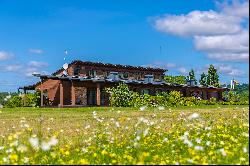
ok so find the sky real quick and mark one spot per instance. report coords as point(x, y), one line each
point(172, 35)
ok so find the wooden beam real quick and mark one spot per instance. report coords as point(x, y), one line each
point(24, 98)
point(73, 95)
point(98, 95)
point(41, 93)
point(61, 94)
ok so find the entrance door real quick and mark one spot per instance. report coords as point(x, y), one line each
point(91, 96)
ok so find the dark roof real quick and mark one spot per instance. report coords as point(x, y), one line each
point(118, 66)
point(78, 78)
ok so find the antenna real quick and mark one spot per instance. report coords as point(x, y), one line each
point(65, 65)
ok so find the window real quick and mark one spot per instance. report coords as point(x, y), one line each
point(92, 73)
point(125, 75)
point(77, 70)
point(145, 91)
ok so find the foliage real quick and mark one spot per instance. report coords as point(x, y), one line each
point(17, 100)
point(191, 76)
point(120, 96)
point(175, 79)
point(212, 77)
point(121, 136)
point(203, 80)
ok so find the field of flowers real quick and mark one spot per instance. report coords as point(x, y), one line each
point(209, 135)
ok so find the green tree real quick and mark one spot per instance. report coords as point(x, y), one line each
point(212, 76)
point(191, 76)
point(203, 80)
point(175, 79)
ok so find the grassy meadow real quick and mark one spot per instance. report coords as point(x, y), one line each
point(105, 135)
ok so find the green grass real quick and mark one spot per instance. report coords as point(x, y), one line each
point(218, 135)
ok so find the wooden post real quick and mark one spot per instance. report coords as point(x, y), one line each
point(98, 95)
point(41, 92)
point(61, 94)
point(73, 95)
point(204, 94)
point(24, 98)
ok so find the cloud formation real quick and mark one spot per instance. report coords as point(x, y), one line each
point(25, 69)
point(5, 55)
point(222, 35)
point(35, 51)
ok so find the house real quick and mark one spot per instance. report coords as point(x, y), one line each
point(83, 84)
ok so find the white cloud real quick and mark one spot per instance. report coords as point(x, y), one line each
point(222, 35)
point(37, 64)
point(199, 23)
point(5, 55)
point(225, 47)
point(229, 70)
point(239, 9)
point(183, 70)
point(35, 51)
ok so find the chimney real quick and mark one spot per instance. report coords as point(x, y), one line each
point(149, 78)
point(113, 75)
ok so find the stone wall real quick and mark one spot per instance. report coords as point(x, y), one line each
point(81, 95)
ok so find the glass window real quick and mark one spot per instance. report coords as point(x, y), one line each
point(76, 70)
point(145, 91)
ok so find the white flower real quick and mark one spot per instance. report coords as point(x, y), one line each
point(53, 141)
point(45, 146)
point(143, 108)
point(117, 124)
point(1, 147)
point(138, 138)
point(198, 148)
point(88, 126)
point(165, 139)
point(208, 143)
point(198, 140)
point(189, 143)
point(193, 116)
point(22, 148)
point(223, 151)
point(161, 108)
point(145, 132)
point(34, 142)
point(25, 160)
point(245, 150)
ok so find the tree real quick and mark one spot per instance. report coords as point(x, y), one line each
point(203, 80)
point(212, 77)
point(175, 79)
point(191, 76)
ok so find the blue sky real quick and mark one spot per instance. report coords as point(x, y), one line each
point(159, 33)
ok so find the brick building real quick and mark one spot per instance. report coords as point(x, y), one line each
point(84, 82)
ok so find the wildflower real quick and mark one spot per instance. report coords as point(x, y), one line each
point(223, 151)
point(22, 148)
point(161, 108)
point(145, 132)
point(165, 139)
point(193, 116)
point(25, 160)
point(208, 143)
point(53, 141)
point(117, 124)
point(34, 142)
point(143, 108)
point(45, 146)
point(198, 148)
point(198, 140)
point(1, 147)
point(245, 150)
point(189, 143)
point(88, 126)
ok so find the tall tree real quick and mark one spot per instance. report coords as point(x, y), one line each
point(191, 76)
point(175, 79)
point(203, 80)
point(212, 76)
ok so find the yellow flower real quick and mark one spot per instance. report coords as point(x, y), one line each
point(84, 162)
point(13, 157)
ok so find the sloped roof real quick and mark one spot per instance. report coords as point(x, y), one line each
point(117, 66)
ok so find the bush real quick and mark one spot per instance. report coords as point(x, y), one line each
point(14, 101)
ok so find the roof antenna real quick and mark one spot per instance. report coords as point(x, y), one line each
point(65, 65)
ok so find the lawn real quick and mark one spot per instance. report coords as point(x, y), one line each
point(105, 135)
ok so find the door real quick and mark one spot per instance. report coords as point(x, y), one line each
point(91, 96)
